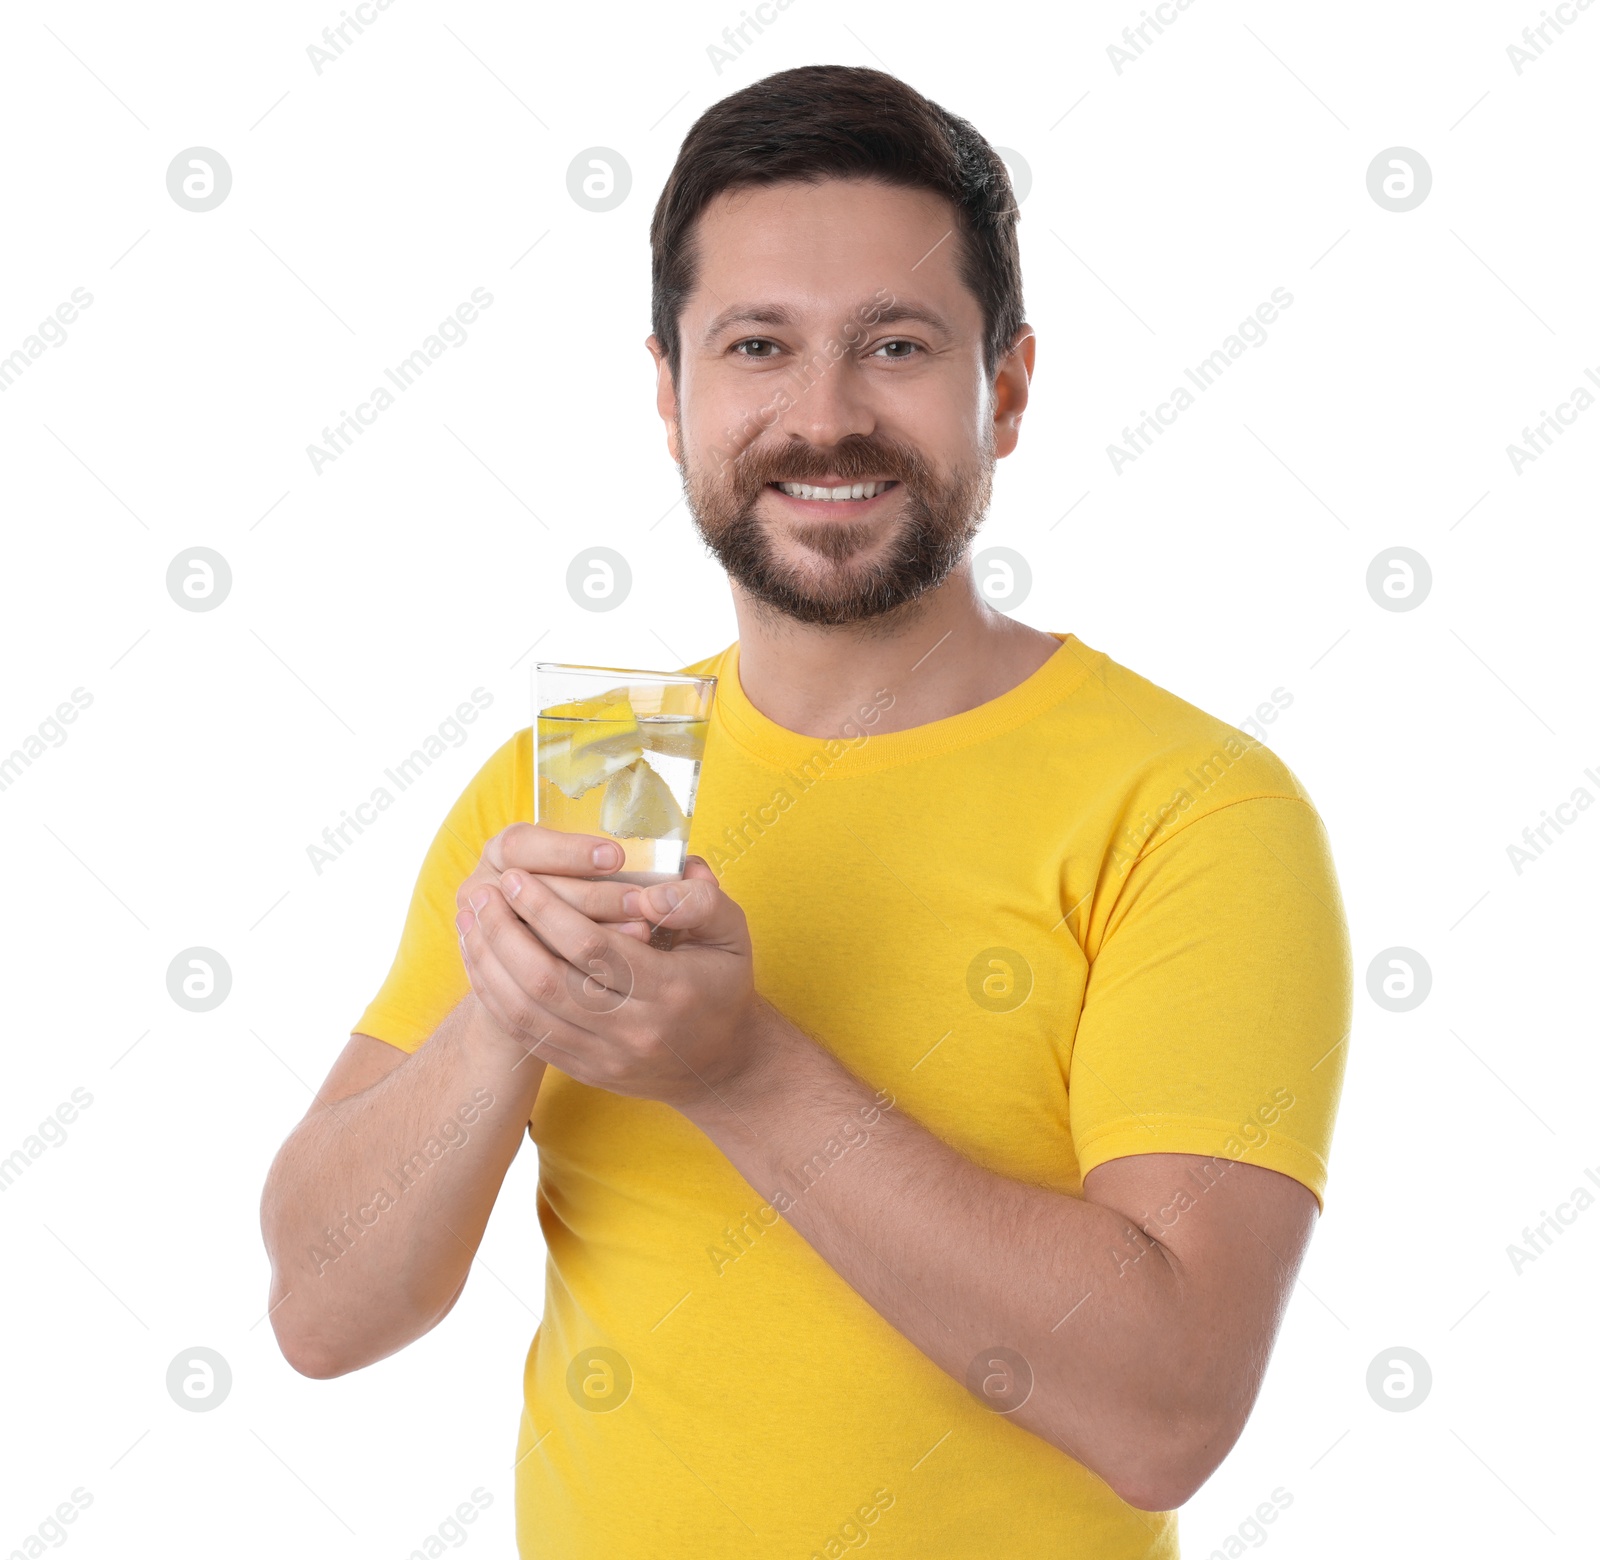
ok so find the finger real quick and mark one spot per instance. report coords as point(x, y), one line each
point(607, 901)
point(600, 900)
point(547, 1037)
point(482, 875)
point(694, 902)
point(534, 848)
point(591, 948)
point(564, 965)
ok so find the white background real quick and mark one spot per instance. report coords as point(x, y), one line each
point(368, 201)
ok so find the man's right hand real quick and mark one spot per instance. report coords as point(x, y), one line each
point(566, 863)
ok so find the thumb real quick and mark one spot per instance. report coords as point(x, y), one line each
point(697, 867)
point(693, 903)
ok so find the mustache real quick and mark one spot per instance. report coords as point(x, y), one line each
point(857, 458)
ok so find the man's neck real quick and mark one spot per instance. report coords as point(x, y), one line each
point(950, 652)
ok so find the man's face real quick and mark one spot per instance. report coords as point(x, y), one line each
point(829, 343)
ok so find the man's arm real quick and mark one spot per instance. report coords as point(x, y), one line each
point(375, 1205)
point(1139, 1357)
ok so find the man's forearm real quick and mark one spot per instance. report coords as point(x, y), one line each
point(375, 1204)
point(967, 1263)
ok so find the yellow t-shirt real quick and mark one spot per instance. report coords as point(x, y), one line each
point(1081, 921)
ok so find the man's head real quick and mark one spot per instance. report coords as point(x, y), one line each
point(837, 303)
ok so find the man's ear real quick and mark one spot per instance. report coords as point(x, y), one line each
point(1011, 391)
point(666, 395)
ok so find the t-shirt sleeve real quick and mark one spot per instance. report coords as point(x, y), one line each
point(427, 979)
point(1218, 1005)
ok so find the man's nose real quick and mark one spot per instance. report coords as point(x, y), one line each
point(830, 402)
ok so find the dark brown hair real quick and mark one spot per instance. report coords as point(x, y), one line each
point(840, 122)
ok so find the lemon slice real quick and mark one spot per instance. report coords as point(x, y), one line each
point(604, 718)
point(681, 738)
point(639, 804)
point(577, 773)
point(585, 742)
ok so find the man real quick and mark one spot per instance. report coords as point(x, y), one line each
point(943, 1183)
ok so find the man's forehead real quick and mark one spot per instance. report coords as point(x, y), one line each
point(835, 243)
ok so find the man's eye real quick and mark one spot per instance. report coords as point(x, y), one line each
point(755, 347)
point(911, 348)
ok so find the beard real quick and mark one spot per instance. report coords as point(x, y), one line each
point(929, 537)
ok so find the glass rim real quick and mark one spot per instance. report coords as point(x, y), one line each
point(636, 674)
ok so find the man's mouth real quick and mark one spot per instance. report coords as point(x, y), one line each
point(849, 492)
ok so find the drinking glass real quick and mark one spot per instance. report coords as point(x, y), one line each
point(617, 752)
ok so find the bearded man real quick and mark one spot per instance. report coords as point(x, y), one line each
point(943, 1180)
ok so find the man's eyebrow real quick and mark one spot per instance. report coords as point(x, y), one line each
point(776, 315)
point(912, 313)
point(748, 314)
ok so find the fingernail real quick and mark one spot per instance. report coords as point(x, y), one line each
point(668, 895)
point(607, 856)
point(464, 920)
point(632, 904)
point(479, 899)
point(512, 884)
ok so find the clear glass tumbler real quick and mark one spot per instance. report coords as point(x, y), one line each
point(617, 752)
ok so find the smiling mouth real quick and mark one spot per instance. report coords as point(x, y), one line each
point(843, 493)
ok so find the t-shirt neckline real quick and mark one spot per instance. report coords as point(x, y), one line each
point(765, 740)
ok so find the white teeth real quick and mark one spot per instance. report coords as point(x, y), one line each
point(832, 494)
